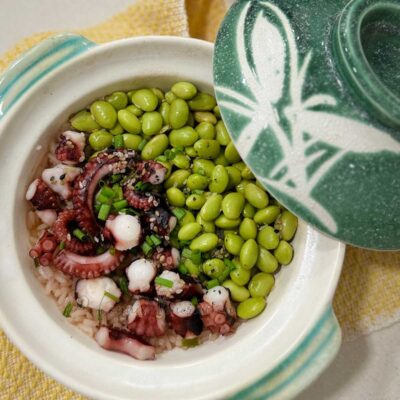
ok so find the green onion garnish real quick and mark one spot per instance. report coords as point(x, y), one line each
point(212, 283)
point(224, 275)
point(142, 144)
point(184, 243)
point(146, 248)
point(103, 212)
point(195, 301)
point(123, 285)
point(129, 211)
point(182, 269)
point(99, 315)
point(111, 250)
point(193, 342)
point(116, 178)
point(161, 158)
point(164, 282)
point(118, 192)
point(156, 240)
point(120, 204)
point(179, 213)
point(67, 310)
point(97, 208)
point(61, 246)
point(192, 268)
point(111, 296)
point(107, 192)
point(118, 141)
point(142, 187)
point(79, 234)
point(100, 250)
point(100, 198)
point(197, 191)
point(196, 257)
point(187, 253)
point(230, 264)
point(149, 241)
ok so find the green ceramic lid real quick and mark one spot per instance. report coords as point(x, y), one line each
point(310, 93)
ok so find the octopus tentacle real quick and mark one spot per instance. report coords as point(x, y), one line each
point(44, 248)
point(140, 200)
point(150, 172)
point(159, 221)
point(41, 196)
point(185, 319)
point(70, 148)
point(167, 258)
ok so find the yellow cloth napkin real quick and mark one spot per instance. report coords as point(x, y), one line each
point(368, 294)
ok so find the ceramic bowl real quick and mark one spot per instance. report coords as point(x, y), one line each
point(272, 356)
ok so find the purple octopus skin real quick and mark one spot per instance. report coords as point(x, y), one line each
point(188, 325)
point(139, 200)
point(167, 258)
point(124, 342)
point(159, 221)
point(44, 248)
point(43, 198)
point(105, 163)
point(150, 172)
point(69, 150)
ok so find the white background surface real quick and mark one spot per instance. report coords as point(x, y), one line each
point(366, 369)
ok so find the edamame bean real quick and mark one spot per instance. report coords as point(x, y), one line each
point(287, 225)
point(266, 262)
point(181, 161)
point(197, 182)
point(214, 268)
point(249, 254)
point(205, 242)
point(184, 90)
point(221, 160)
point(247, 174)
point(151, 123)
point(248, 229)
point(191, 152)
point(238, 293)
point(233, 243)
point(240, 166)
point(267, 238)
point(219, 179)
point(222, 134)
point(251, 307)
point(183, 137)
point(177, 178)
point(164, 111)
point(242, 185)
point(159, 93)
point(203, 167)
point(207, 148)
point(187, 218)
point(176, 197)
point(189, 231)
point(256, 196)
point(155, 147)
point(205, 130)
point(195, 201)
point(190, 121)
point(211, 208)
point(132, 141)
point(234, 176)
point(205, 116)
point(261, 284)
point(202, 102)
point(170, 97)
point(267, 215)
point(249, 211)
point(226, 223)
point(134, 110)
point(232, 205)
point(284, 252)
point(104, 114)
point(100, 140)
point(129, 122)
point(208, 226)
point(240, 275)
point(84, 121)
point(178, 113)
point(117, 130)
point(217, 112)
point(145, 99)
point(231, 154)
point(118, 100)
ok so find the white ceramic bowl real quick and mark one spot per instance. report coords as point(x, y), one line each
point(272, 356)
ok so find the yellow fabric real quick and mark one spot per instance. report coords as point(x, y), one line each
point(368, 294)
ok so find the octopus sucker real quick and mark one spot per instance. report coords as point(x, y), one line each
point(140, 200)
point(42, 197)
point(44, 248)
point(159, 221)
point(167, 258)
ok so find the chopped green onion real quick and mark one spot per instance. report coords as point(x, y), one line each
point(118, 141)
point(36, 261)
point(156, 240)
point(142, 144)
point(129, 211)
point(196, 257)
point(224, 275)
point(61, 246)
point(192, 342)
point(111, 296)
point(179, 213)
point(149, 241)
point(100, 198)
point(79, 234)
point(182, 269)
point(108, 192)
point(123, 285)
point(146, 248)
point(142, 187)
point(195, 301)
point(212, 283)
point(161, 158)
point(103, 212)
point(111, 250)
point(164, 282)
point(192, 268)
point(197, 191)
point(99, 315)
point(169, 154)
point(118, 192)
point(187, 253)
point(100, 250)
point(67, 310)
point(230, 264)
point(184, 243)
point(120, 204)
point(97, 208)
point(116, 178)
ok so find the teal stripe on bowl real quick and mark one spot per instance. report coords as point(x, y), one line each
point(301, 366)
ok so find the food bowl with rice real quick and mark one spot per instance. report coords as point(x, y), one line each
point(140, 241)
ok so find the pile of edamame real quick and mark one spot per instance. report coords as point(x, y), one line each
point(230, 231)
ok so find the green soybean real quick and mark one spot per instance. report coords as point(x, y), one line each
point(168, 167)
point(238, 293)
point(132, 141)
point(170, 97)
point(251, 307)
point(287, 225)
point(240, 166)
point(202, 102)
point(183, 137)
point(226, 223)
point(145, 99)
point(222, 134)
point(134, 110)
point(176, 197)
point(159, 93)
point(214, 268)
point(232, 205)
point(118, 100)
point(261, 284)
point(233, 243)
point(155, 147)
point(268, 238)
point(231, 154)
point(191, 151)
point(84, 121)
point(117, 130)
point(205, 116)
point(190, 120)
point(256, 196)
point(234, 176)
point(242, 185)
point(187, 218)
point(266, 262)
point(104, 114)
point(249, 211)
point(247, 174)
point(177, 178)
point(249, 254)
point(100, 140)
point(184, 90)
point(189, 231)
point(178, 113)
point(217, 112)
point(207, 148)
point(197, 182)
point(221, 160)
point(181, 161)
point(129, 122)
point(248, 229)
point(267, 215)
point(203, 167)
point(219, 179)
point(151, 123)
point(240, 275)
point(205, 242)
point(284, 252)
point(208, 226)
point(205, 130)
point(164, 111)
point(211, 208)
point(195, 201)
